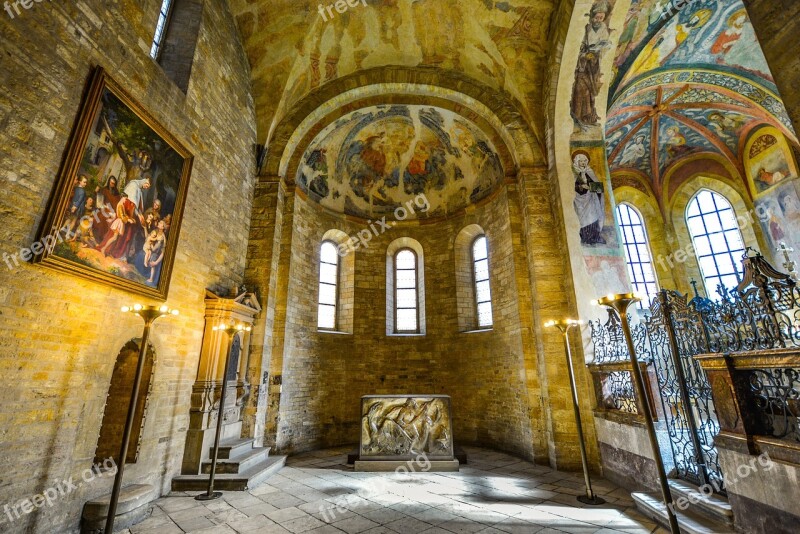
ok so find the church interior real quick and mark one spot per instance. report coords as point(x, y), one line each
point(395, 266)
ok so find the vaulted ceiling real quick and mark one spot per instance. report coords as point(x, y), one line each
point(303, 55)
point(693, 83)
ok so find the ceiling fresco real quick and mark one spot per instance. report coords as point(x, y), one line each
point(716, 33)
point(695, 82)
point(373, 161)
point(679, 121)
point(710, 32)
point(294, 50)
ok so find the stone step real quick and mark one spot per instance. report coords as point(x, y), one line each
point(232, 481)
point(132, 507)
point(240, 463)
point(715, 507)
point(232, 447)
point(690, 522)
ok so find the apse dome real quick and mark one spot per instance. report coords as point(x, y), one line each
point(375, 160)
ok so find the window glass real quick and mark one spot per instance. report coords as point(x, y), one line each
point(637, 253)
point(161, 28)
point(406, 299)
point(717, 240)
point(328, 286)
point(483, 293)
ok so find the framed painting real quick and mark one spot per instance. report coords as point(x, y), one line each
point(115, 212)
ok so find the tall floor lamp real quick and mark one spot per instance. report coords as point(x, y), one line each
point(620, 304)
point(564, 326)
point(232, 332)
point(149, 314)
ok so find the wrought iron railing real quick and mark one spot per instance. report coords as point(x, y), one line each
point(760, 314)
point(763, 312)
point(609, 343)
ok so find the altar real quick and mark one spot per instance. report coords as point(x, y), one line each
point(412, 433)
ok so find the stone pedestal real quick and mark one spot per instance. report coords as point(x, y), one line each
point(133, 507)
point(406, 433)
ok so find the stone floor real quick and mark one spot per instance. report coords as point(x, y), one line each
point(317, 493)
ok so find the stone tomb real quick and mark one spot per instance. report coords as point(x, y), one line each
point(411, 431)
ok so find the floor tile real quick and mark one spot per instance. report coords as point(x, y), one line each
point(317, 493)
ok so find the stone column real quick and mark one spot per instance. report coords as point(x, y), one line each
point(268, 268)
point(257, 276)
point(551, 289)
point(539, 416)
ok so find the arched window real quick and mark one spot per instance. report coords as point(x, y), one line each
point(161, 28)
point(483, 292)
point(717, 240)
point(406, 297)
point(328, 286)
point(637, 252)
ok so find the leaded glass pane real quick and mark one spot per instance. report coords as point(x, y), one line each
point(637, 252)
point(717, 239)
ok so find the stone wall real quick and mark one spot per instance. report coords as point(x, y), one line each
point(626, 454)
point(777, 23)
point(325, 374)
point(59, 335)
point(764, 493)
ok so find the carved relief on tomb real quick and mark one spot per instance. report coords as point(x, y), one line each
point(405, 426)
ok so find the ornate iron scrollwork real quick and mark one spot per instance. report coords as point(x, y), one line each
point(676, 333)
point(619, 390)
point(609, 342)
point(777, 395)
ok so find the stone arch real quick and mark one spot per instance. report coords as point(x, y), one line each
point(393, 248)
point(705, 164)
point(385, 84)
point(118, 400)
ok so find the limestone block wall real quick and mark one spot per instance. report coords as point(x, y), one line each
point(776, 23)
point(325, 374)
point(626, 454)
point(764, 493)
point(59, 335)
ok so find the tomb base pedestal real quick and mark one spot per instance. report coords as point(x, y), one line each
point(407, 467)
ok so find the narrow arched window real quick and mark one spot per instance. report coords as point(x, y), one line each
point(161, 28)
point(717, 240)
point(637, 252)
point(406, 297)
point(480, 271)
point(328, 286)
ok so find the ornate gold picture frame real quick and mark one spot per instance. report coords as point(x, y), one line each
point(116, 210)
